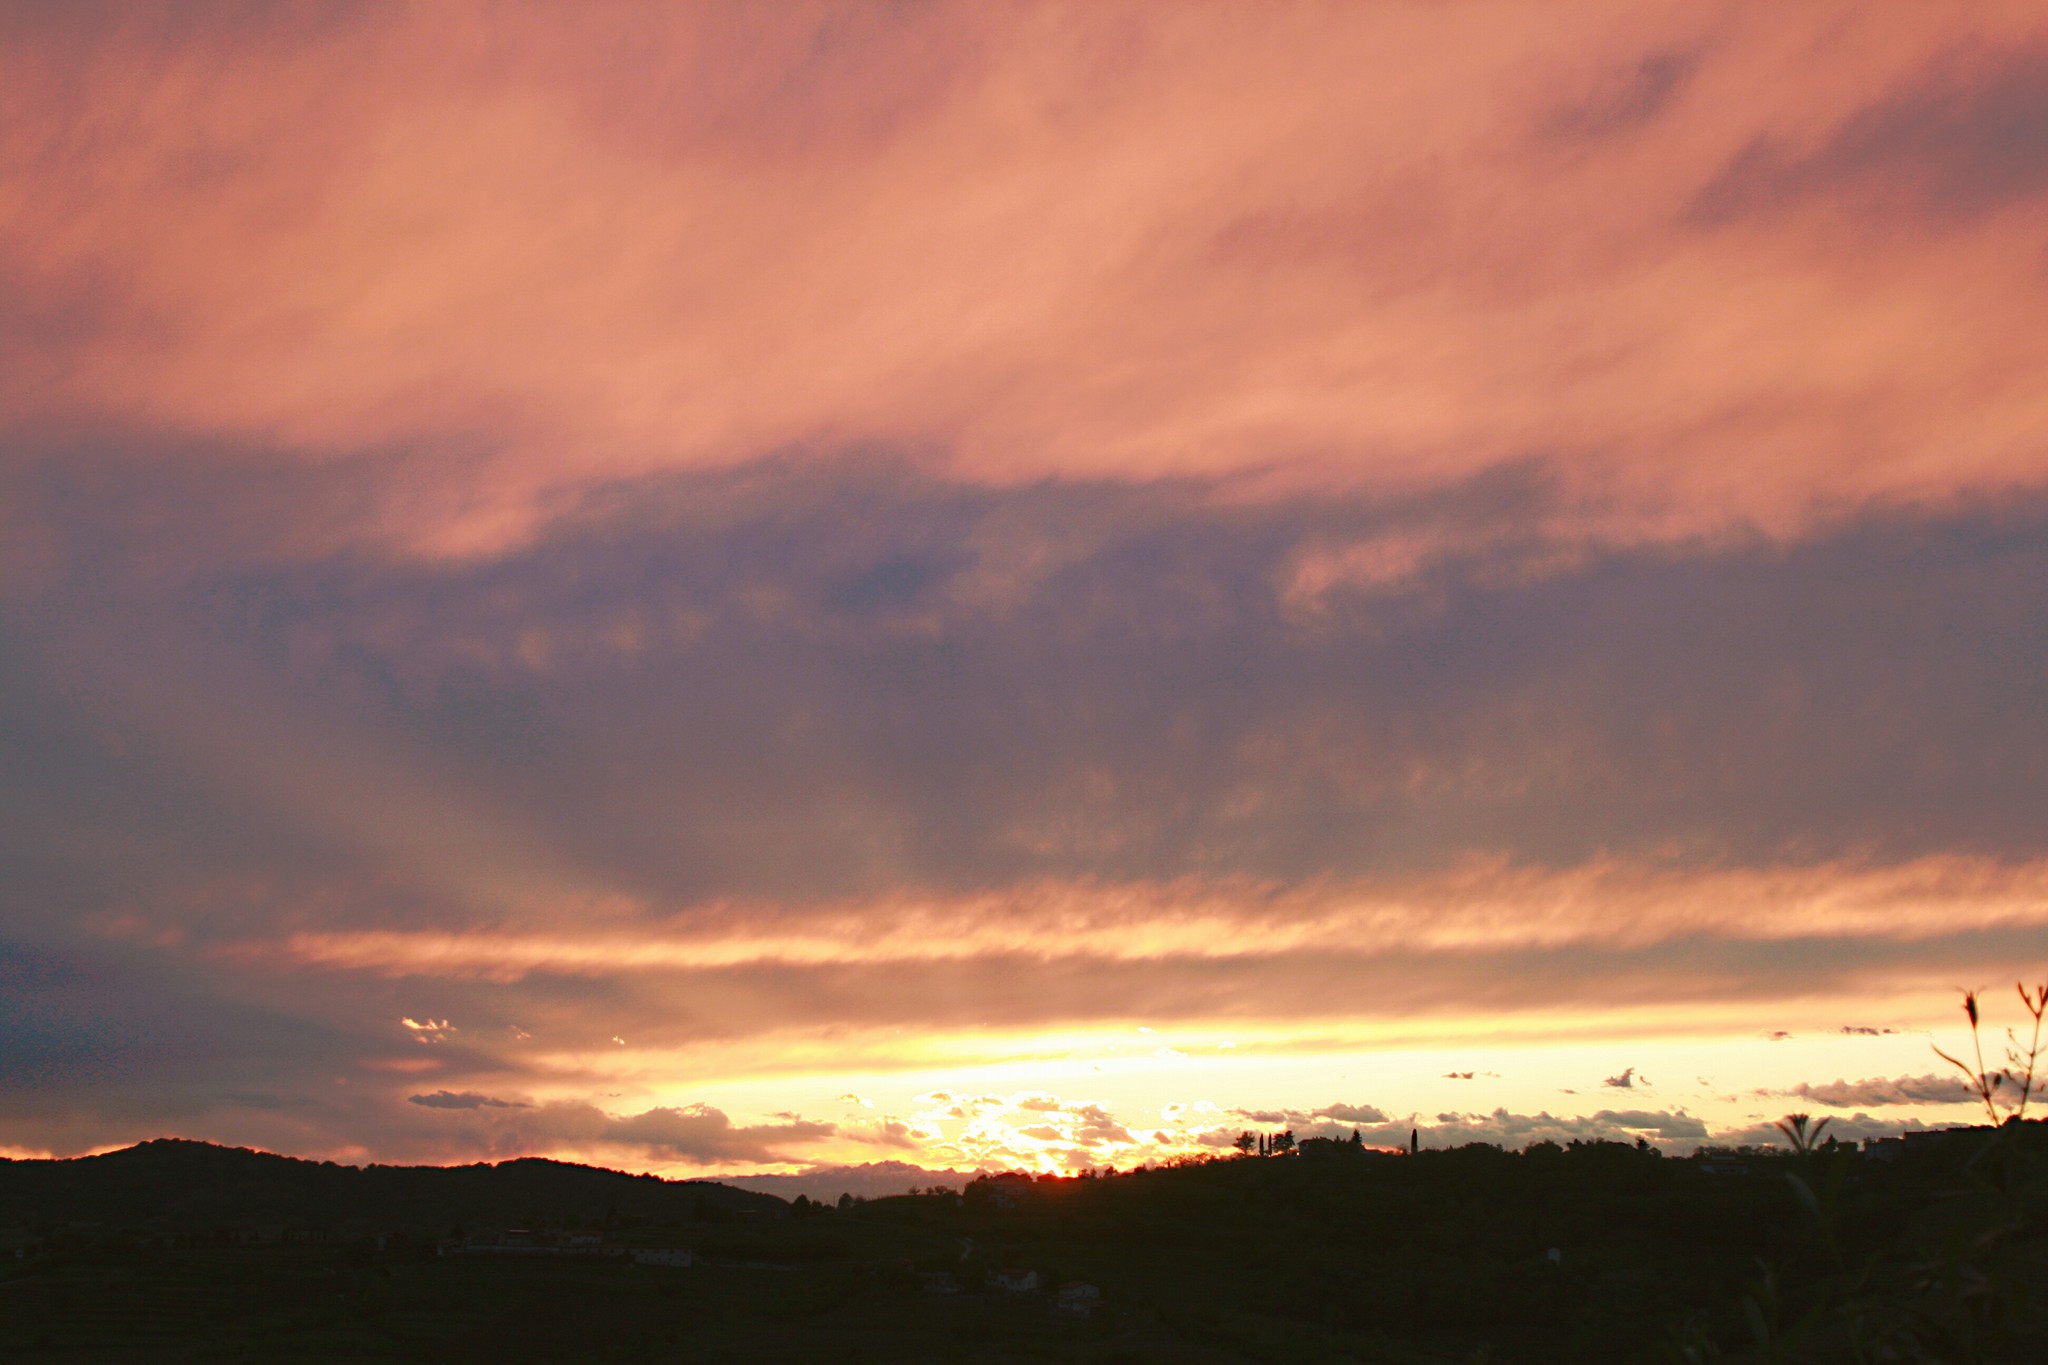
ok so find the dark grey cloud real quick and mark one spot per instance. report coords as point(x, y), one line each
point(1319, 1121)
point(465, 1099)
point(919, 682)
point(1877, 1091)
point(465, 1122)
point(1351, 1113)
point(1628, 97)
point(694, 1132)
point(797, 682)
point(1659, 1122)
point(1968, 136)
point(118, 1019)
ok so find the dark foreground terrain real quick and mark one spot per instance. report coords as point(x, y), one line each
point(1936, 1250)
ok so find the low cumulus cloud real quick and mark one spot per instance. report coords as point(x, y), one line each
point(695, 1134)
point(1878, 1091)
point(1081, 1125)
point(1315, 1118)
point(884, 1133)
point(1095, 1126)
point(1351, 1113)
point(701, 1133)
point(465, 1099)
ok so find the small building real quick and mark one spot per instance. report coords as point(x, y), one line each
point(528, 1242)
point(1079, 1298)
point(1006, 1190)
point(939, 1282)
point(676, 1258)
point(1014, 1281)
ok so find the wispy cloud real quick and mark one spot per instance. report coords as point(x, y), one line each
point(1953, 142)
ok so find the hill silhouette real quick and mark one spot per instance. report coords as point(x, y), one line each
point(175, 1187)
point(1931, 1248)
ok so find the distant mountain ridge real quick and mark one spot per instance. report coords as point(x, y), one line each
point(175, 1186)
point(868, 1180)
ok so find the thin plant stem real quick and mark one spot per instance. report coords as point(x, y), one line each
point(2035, 1003)
point(1981, 1085)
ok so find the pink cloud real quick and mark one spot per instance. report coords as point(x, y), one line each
point(1321, 246)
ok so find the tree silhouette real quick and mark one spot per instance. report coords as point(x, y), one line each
point(1803, 1138)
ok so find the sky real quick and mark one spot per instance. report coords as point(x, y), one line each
point(733, 588)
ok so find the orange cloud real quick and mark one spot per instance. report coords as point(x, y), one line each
point(1483, 906)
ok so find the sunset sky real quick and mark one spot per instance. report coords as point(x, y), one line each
point(725, 587)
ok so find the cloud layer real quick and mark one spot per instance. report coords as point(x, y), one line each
point(553, 563)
